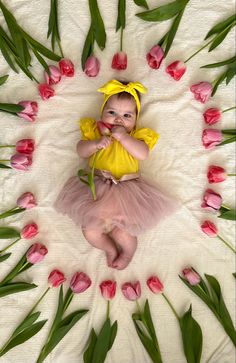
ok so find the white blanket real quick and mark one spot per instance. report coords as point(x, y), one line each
point(179, 164)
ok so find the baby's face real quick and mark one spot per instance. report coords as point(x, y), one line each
point(120, 112)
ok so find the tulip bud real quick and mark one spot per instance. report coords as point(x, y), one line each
point(211, 138)
point(155, 57)
point(54, 77)
point(211, 200)
point(29, 231)
point(26, 201)
point(92, 66)
point(30, 110)
point(119, 61)
point(25, 146)
point(66, 67)
point(21, 161)
point(132, 291)
point(108, 289)
point(155, 284)
point(176, 70)
point(104, 128)
point(209, 228)
point(56, 278)
point(202, 91)
point(45, 91)
point(80, 282)
point(216, 174)
point(212, 116)
point(191, 276)
point(36, 253)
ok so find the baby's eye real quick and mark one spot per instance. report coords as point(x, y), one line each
point(111, 112)
point(127, 115)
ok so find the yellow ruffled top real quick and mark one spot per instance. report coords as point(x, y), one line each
point(115, 158)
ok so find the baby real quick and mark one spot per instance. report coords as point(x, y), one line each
point(126, 203)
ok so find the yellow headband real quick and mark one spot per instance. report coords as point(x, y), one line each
point(113, 87)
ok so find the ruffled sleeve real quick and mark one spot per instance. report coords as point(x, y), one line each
point(149, 136)
point(88, 128)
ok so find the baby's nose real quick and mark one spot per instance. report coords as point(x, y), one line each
point(119, 119)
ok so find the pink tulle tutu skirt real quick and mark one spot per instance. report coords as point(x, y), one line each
point(134, 205)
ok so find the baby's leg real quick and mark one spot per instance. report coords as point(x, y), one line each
point(128, 246)
point(102, 241)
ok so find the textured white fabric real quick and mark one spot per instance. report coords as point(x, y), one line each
point(178, 162)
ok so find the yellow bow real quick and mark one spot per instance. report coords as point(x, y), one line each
point(113, 87)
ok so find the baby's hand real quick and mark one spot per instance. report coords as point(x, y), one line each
point(103, 142)
point(118, 132)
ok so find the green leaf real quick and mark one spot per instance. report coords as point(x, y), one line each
point(148, 344)
point(229, 215)
point(230, 72)
point(97, 24)
point(234, 274)
point(88, 354)
point(219, 27)
point(24, 69)
point(120, 23)
point(114, 328)
point(7, 56)
point(3, 79)
point(40, 48)
point(88, 47)
point(11, 213)
point(192, 337)
point(18, 40)
point(224, 316)
point(51, 20)
point(11, 107)
point(102, 343)
point(220, 64)
point(219, 38)
point(41, 60)
point(4, 257)
point(8, 49)
point(15, 287)
point(29, 320)
point(25, 335)
point(163, 12)
point(8, 232)
point(215, 291)
point(58, 334)
point(172, 32)
point(4, 166)
point(15, 271)
point(218, 82)
point(141, 3)
point(148, 320)
point(67, 300)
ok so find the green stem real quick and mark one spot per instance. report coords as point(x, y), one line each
point(42, 296)
point(199, 50)
point(231, 174)
point(2, 146)
point(225, 206)
point(228, 109)
point(226, 243)
point(22, 267)
point(121, 39)
point(108, 309)
point(60, 48)
point(4, 160)
point(171, 306)
point(10, 245)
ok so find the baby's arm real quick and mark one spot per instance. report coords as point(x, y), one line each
point(137, 148)
point(86, 148)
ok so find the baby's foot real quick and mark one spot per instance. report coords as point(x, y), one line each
point(122, 261)
point(111, 256)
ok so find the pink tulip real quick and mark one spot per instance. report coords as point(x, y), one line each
point(155, 285)
point(209, 228)
point(108, 289)
point(212, 116)
point(202, 91)
point(216, 174)
point(92, 66)
point(30, 110)
point(176, 70)
point(119, 61)
point(36, 253)
point(80, 282)
point(56, 278)
point(66, 67)
point(191, 276)
point(21, 161)
point(25, 146)
point(155, 57)
point(104, 128)
point(211, 200)
point(132, 291)
point(211, 138)
point(46, 91)
point(54, 77)
point(29, 231)
point(26, 201)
